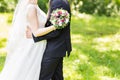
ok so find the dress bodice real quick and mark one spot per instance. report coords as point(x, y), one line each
point(41, 16)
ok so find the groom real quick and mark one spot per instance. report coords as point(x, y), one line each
point(58, 43)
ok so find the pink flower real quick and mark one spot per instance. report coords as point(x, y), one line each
point(63, 20)
point(59, 12)
point(60, 18)
point(56, 14)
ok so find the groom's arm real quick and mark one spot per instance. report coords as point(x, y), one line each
point(54, 5)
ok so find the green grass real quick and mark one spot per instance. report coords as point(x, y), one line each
point(96, 49)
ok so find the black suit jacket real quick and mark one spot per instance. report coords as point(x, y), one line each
point(58, 41)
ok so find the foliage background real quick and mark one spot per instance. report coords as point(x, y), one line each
point(98, 7)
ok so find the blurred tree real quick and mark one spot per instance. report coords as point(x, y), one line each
point(7, 5)
point(43, 4)
point(3, 6)
point(100, 7)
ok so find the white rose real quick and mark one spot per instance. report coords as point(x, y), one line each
point(66, 21)
point(60, 23)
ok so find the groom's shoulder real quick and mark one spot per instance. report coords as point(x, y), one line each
point(57, 1)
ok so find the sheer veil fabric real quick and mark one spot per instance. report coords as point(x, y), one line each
point(17, 31)
point(23, 60)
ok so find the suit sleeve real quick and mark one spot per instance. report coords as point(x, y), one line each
point(54, 5)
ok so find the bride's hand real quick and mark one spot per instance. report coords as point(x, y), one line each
point(28, 32)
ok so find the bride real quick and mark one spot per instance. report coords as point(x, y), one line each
point(23, 55)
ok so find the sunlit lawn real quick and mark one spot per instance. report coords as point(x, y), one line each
point(96, 48)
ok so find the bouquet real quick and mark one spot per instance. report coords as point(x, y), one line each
point(59, 18)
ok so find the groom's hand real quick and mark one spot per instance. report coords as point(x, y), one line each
point(28, 32)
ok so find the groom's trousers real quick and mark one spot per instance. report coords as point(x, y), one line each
point(51, 68)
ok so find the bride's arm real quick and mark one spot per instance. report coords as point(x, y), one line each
point(34, 25)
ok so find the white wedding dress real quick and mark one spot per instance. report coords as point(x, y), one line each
point(23, 61)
